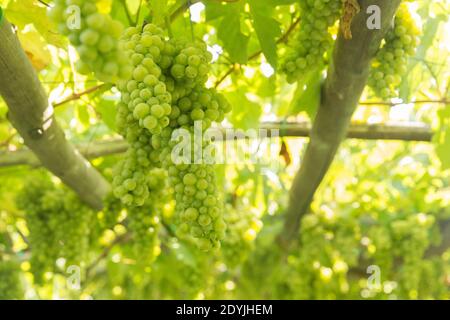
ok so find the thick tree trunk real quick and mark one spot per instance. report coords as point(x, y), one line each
point(347, 76)
point(32, 116)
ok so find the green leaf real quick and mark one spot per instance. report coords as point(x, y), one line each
point(442, 138)
point(159, 11)
point(107, 109)
point(118, 13)
point(83, 115)
point(234, 41)
point(24, 12)
point(266, 87)
point(245, 113)
point(267, 29)
point(214, 10)
point(307, 95)
point(133, 5)
point(443, 150)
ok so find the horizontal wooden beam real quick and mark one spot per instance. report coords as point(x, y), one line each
point(403, 132)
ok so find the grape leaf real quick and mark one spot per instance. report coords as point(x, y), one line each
point(107, 109)
point(214, 10)
point(234, 41)
point(159, 10)
point(83, 115)
point(442, 138)
point(245, 113)
point(267, 29)
point(24, 12)
point(307, 95)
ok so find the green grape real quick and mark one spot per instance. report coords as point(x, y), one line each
point(307, 50)
point(207, 110)
point(96, 39)
point(89, 37)
point(390, 62)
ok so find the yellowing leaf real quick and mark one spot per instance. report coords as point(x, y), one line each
point(25, 12)
point(35, 48)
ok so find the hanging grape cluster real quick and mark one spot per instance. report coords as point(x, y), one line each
point(144, 221)
point(390, 64)
point(95, 36)
point(307, 50)
point(59, 225)
point(165, 93)
point(242, 228)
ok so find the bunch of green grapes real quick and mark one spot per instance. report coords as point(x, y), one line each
point(432, 269)
point(10, 282)
point(398, 248)
point(59, 225)
point(307, 50)
point(142, 113)
point(390, 63)
point(201, 104)
point(242, 228)
point(411, 237)
point(198, 204)
point(130, 180)
point(109, 216)
point(190, 66)
point(166, 93)
point(144, 94)
point(95, 36)
point(326, 268)
point(143, 221)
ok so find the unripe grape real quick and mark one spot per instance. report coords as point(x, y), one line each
point(391, 60)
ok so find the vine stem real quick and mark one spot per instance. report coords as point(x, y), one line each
point(77, 96)
point(44, 3)
point(346, 79)
point(127, 12)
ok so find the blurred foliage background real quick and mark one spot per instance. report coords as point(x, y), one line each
point(383, 203)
